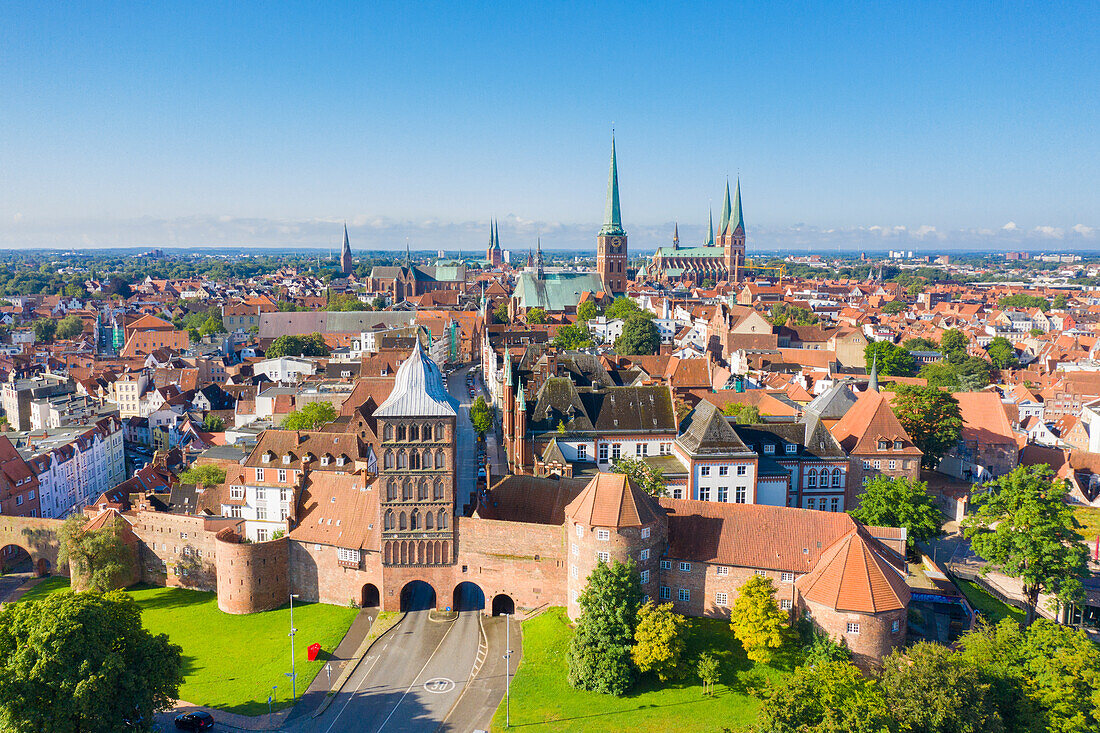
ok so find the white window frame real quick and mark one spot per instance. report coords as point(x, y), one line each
point(643, 555)
point(721, 599)
point(683, 595)
point(603, 535)
point(685, 567)
point(853, 627)
point(644, 577)
point(604, 556)
point(645, 533)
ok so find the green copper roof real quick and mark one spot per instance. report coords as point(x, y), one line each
point(725, 211)
point(709, 251)
point(737, 221)
point(612, 218)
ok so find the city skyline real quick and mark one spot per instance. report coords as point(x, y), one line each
point(875, 128)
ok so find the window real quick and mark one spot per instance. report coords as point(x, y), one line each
point(573, 570)
point(769, 448)
point(883, 444)
point(878, 464)
point(603, 535)
point(603, 556)
point(789, 449)
point(236, 492)
point(347, 555)
point(603, 453)
point(19, 500)
point(261, 535)
point(665, 449)
point(838, 477)
point(704, 493)
point(834, 504)
point(761, 573)
point(685, 567)
point(785, 604)
point(810, 503)
point(897, 445)
point(616, 451)
point(742, 495)
point(811, 478)
point(641, 449)
point(723, 493)
point(284, 494)
point(580, 530)
point(853, 627)
point(645, 533)
point(723, 470)
point(722, 571)
point(721, 599)
point(643, 555)
point(665, 593)
point(742, 470)
point(666, 565)
point(683, 594)
point(892, 464)
point(286, 459)
point(582, 452)
point(786, 577)
point(704, 471)
point(894, 626)
point(866, 464)
point(259, 474)
point(677, 492)
point(261, 513)
point(282, 475)
point(575, 548)
point(644, 577)
point(235, 512)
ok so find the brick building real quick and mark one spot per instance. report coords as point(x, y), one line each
point(876, 444)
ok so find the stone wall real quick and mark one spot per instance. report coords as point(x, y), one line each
point(176, 550)
point(251, 577)
point(704, 583)
point(523, 561)
point(38, 537)
point(317, 574)
point(622, 544)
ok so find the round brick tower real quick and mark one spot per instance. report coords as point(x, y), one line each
point(612, 519)
point(252, 577)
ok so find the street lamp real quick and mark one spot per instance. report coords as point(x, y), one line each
point(292, 675)
point(507, 670)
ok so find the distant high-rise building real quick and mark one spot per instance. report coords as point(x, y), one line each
point(346, 265)
point(611, 253)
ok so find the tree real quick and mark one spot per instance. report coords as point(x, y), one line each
point(573, 336)
point(915, 289)
point(707, 283)
point(1021, 525)
point(211, 423)
point(345, 302)
point(1023, 300)
point(930, 688)
point(658, 641)
point(623, 307)
point(536, 316)
point(500, 313)
point(310, 417)
point(996, 651)
point(207, 475)
point(1035, 332)
point(1061, 302)
point(782, 313)
point(920, 344)
point(953, 340)
point(211, 326)
point(639, 337)
point(44, 330)
point(586, 311)
point(831, 697)
point(932, 419)
point(974, 374)
point(893, 360)
point(99, 557)
point(940, 374)
point(708, 670)
point(481, 416)
point(900, 502)
point(599, 654)
point(746, 414)
point(82, 663)
point(894, 307)
point(69, 327)
point(378, 304)
point(1001, 352)
point(816, 646)
point(649, 479)
point(757, 621)
point(311, 345)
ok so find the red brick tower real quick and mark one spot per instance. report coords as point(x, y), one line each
point(611, 253)
point(731, 235)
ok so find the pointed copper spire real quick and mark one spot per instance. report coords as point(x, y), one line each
point(676, 236)
point(612, 218)
point(737, 221)
point(710, 230)
point(723, 226)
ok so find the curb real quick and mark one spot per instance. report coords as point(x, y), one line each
point(354, 661)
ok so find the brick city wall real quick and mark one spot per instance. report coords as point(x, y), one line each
point(521, 560)
point(703, 584)
point(876, 637)
point(316, 574)
point(35, 535)
point(251, 576)
point(176, 550)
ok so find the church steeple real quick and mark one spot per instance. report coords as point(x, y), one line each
point(538, 257)
point(710, 229)
point(612, 218)
point(345, 254)
point(737, 221)
point(724, 225)
point(676, 236)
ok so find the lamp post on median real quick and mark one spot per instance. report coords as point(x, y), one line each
point(292, 675)
point(507, 670)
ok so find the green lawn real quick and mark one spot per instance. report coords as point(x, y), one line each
point(231, 662)
point(993, 608)
point(542, 699)
point(1089, 519)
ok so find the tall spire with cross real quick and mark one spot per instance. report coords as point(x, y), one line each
point(611, 249)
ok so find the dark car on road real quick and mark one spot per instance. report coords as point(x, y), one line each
point(198, 720)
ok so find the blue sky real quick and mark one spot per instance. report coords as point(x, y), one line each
point(876, 125)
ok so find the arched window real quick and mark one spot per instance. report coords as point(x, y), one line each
point(440, 459)
point(388, 461)
point(414, 432)
point(439, 431)
point(414, 460)
point(438, 492)
point(422, 489)
point(442, 519)
point(426, 432)
point(429, 520)
point(427, 461)
point(391, 490)
point(837, 477)
point(414, 520)
point(402, 522)
point(811, 477)
point(389, 519)
point(402, 460)
point(388, 433)
point(406, 490)
point(401, 432)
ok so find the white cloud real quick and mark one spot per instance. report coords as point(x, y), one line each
point(1084, 231)
point(1011, 227)
point(1050, 232)
point(925, 231)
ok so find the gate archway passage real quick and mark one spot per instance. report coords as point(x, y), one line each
point(503, 605)
point(417, 595)
point(468, 596)
point(15, 559)
point(370, 596)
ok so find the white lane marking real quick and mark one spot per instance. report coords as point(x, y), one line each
point(402, 698)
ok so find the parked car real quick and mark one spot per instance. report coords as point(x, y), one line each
point(197, 720)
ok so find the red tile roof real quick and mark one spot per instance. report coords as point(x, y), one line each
point(612, 500)
point(853, 575)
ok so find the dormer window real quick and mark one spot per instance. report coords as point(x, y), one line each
point(883, 444)
point(286, 459)
point(267, 458)
point(790, 449)
point(897, 445)
point(324, 460)
point(340, 460)
point(769, 448)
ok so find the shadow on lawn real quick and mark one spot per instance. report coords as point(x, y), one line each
point(170, 598)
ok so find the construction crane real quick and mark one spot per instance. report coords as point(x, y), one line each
point(780, 268)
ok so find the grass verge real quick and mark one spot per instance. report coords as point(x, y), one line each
point(991, 607)
point(542, 699)
point(231, 662)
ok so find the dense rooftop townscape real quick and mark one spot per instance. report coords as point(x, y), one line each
point(764, 395)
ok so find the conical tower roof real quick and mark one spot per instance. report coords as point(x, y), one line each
point(724, 224)
point(854, 575)
point(737, 221)
point(613, 500)
point(612, 218)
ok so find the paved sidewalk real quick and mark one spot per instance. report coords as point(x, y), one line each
point(313, 697)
